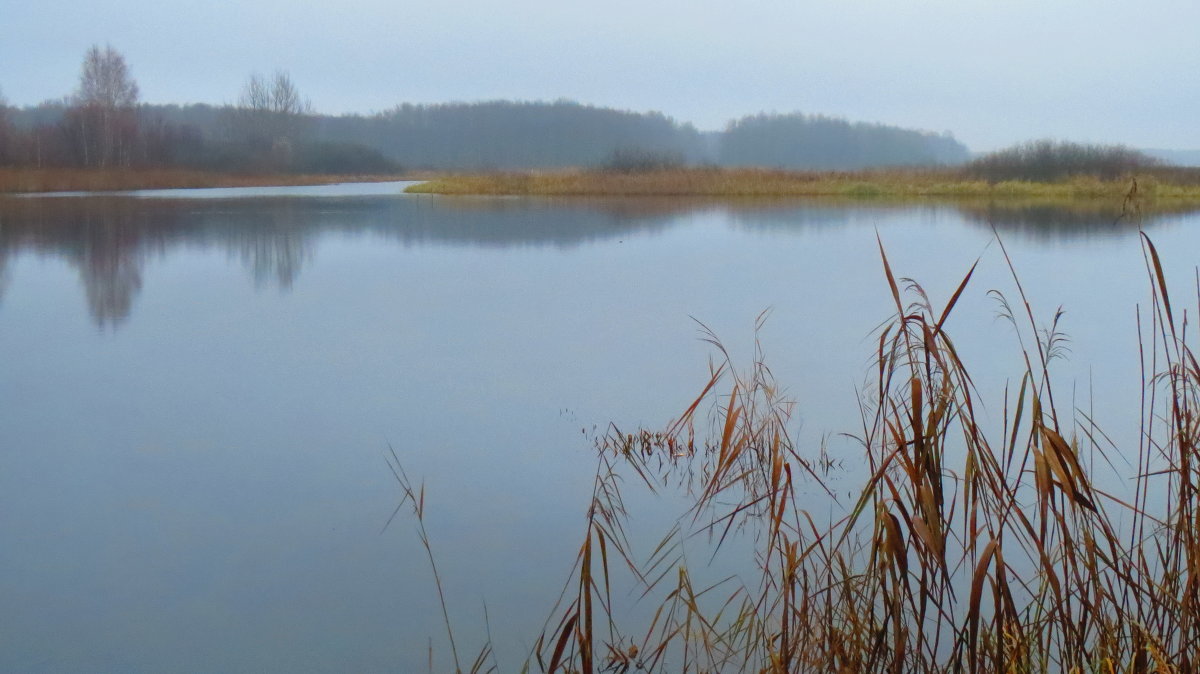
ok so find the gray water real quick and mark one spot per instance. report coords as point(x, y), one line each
point(199, 389)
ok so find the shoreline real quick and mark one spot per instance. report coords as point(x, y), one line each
point(712, 183)
point(762, 183)
point(34, 181)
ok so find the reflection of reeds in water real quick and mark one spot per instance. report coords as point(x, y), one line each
point(1065, 219)
point(965, 549)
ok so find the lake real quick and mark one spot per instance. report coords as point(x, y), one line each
point(200, 389)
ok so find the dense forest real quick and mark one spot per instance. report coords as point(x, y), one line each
point(507, 135)
point(799, 141)
point(271, 127)
point(511, 135)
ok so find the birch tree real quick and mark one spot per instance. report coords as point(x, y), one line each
point(103, 116)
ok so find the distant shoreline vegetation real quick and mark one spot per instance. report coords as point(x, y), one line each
point(480, 137)
point(702, 182)
point(1041, 169)
point(271, 128)
point(717, 182)
point(103, 137)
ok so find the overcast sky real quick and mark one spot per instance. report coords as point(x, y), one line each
point(992, 72)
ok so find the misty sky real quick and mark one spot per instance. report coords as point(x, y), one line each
point(992, 72)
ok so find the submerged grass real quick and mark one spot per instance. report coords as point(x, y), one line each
point(966, 548)
point(1160, 185)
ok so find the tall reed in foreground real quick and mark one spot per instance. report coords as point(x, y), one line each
point(965, 549)
point(971, 545)
point(414, 497)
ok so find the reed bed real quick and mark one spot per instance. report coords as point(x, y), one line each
point(1165, 185)
point(968, 547)
point(18, 180)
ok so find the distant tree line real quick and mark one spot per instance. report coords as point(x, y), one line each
point(516, 135)
point(103, 125)
point(798, 141)
point(512, 135)
point(493, 135)
point(272, 128)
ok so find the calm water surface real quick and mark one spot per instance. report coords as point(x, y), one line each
point(199, 388)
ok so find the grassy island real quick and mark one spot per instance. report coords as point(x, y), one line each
point(1163, 184)
point(1037, 170)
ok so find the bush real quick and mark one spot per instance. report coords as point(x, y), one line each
point(345, 158)
point(1046, 160)
point(318, 158)
point(629, 160)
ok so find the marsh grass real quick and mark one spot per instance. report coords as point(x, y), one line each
point(412, 495)
point(969, 545)
point(1156, 184)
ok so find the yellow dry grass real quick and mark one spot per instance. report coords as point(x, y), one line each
point(737, 183)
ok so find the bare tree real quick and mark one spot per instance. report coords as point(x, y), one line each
point(103, 116)
point(285, 97)
point(271, 114)
point(256, 94)
point(278, 95)
point(105, 80)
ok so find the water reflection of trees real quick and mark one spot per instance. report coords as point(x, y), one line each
point(110, 240)
point(274, 245)
point(105, 244)
point(1066, 220)
point(1038, 220)
point(110, 279)
point(5, 274)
